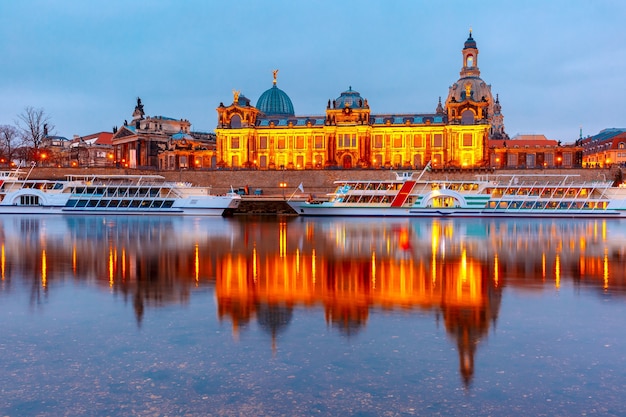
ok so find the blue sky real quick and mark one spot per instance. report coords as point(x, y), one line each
point(556, 65)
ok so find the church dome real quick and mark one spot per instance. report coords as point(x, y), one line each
point(275, 102)
point(350, 98)
point(470, 88)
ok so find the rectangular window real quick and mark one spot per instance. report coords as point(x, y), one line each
point(397, 141)
point(437, 140)
point(263, 142)
point(319, 142)
point(567, 159)
point(299, 161)
point(467, 139)
point(378, 141)
point(511, 160)
point(346, 140)
point(234, 142)
point(418, 141)
point(281, 142)
point(299, 142)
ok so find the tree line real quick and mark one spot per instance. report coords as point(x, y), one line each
point(24, 140)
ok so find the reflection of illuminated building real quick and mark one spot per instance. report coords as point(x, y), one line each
point(264, 270)
point(145, 260)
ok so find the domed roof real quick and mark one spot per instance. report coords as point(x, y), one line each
point(470, 42)
point(470, 88)
point(350, 98)
point(275, 102)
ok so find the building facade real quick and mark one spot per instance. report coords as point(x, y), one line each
point(605, 149)
point(271, 136)
point(138, 144)
point(533, 151)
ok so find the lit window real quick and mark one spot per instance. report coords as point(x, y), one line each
point(438, 140)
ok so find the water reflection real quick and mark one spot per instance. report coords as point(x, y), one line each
point(262, 269)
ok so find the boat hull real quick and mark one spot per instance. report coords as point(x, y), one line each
point(330, 210)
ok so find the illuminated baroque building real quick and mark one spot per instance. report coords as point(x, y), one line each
point(162, 142)
point(271, 136)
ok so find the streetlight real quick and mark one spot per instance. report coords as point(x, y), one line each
point(283, 185)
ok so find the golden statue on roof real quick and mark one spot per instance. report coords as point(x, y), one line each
point(236, 95)
point(275, 73)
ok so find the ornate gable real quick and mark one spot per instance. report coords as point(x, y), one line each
point(123, 132)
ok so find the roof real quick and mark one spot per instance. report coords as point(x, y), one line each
point(275, 102)
point(101, 138)
point(470, 42)
point(606, 134)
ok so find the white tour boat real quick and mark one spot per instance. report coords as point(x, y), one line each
point(514, 195)
point(110, 194)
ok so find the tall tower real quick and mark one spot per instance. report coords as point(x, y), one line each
point(470, 100)
point(470, 58)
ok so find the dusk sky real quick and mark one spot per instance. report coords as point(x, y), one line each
point(556, 65)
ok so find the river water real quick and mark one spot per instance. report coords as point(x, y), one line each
point(183, 316)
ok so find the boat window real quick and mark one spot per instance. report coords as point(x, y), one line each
point(92, 203)
point(29, 200)
point(168, 203)
point(103, 203)
point(81, 203)
point(134, 203)
point(124, 203)
point(156, 204)
point(71, 203)
point(114, 203)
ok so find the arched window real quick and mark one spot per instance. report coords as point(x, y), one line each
point(621, 145)
point(467, 117)
point(235, 122)
point(470, 61)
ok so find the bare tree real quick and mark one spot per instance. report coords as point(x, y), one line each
point(10, 141)
point(35, 126)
